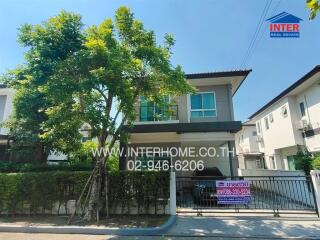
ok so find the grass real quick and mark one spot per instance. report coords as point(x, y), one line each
point(114, 221)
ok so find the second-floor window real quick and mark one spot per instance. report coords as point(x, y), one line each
point(203, 104)
point(258, 127)
point(266, 122)
point(302, 109)
point(151, 111)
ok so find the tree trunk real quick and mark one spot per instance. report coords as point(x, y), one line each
point(98, 181)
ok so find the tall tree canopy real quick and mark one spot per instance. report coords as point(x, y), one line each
point(75, 77)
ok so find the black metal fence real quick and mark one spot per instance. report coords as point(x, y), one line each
point(289, 194)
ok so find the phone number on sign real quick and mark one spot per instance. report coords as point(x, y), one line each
point(165, 165)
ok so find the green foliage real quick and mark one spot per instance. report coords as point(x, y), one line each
point(303, 161)
point(316, 163)
point(13, 167)
point(48, 44)
point(314, 7)
point(75, 76)
point(37, 192)
point(84, 153)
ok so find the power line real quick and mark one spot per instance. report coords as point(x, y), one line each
point(261, 35)
point(256, 33)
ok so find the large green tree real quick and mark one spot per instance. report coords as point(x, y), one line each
point(94, 77)
point(48, 45)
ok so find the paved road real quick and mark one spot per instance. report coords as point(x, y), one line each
point(41, 236)
point(247, 226)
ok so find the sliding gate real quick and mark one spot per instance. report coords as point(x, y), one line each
point(268, 193)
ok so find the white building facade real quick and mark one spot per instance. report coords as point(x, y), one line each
point(288, 122)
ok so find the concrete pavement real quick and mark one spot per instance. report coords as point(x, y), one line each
point(247, 226)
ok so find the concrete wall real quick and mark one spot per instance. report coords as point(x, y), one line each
point(281, 132)
point(246, 141)
point(311, 99)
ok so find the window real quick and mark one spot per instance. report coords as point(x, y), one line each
point(150, 111)
point(302, 109)
point(291, 163)
point(271, 117)
point(273, 162)
point(258, 163)
point(258, 127)
point(284, 111)
point(266, 122)
point(203, 105)
point(254, 133)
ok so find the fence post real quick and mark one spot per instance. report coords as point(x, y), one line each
point(173, 202)
point(315, 177)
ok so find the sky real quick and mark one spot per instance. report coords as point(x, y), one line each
point(211, 35)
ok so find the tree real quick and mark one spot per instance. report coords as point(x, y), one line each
point(104, 67)
point(316, 163)
point(303, 161)
point(314, 7)
point(48, 44)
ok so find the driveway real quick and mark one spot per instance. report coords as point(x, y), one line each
point(247, 226)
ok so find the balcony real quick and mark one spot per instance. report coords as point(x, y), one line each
point(157, 113)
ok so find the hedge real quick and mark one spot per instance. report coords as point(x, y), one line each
point(37, 193)
point(9, 167)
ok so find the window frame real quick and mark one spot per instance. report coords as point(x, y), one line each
point(271, 119)
point(258, 126)
point(203, 110)
point(303, 113)
point(154, 110)
point(266, 123)
point(284, 111)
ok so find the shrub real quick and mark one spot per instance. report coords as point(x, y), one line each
point(24, 193)
point(316, 163)
point(13, 167)
point(84, 154)
point(303, 161)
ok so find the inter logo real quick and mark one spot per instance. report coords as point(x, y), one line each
point(284, 25)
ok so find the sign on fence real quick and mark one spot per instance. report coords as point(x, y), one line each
point(233, 192)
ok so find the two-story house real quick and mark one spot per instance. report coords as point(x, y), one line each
point(202, 120)
point(290, 121)
point(247, 148)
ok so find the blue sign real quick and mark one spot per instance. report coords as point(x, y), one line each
point(284, 25)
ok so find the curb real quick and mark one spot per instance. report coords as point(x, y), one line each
point(91, 230)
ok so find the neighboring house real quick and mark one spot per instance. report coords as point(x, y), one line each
point(205, 119)
point(290, 121)
point(249, 155)
point(6, 107)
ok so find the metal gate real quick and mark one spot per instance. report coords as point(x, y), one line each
point(284, 194)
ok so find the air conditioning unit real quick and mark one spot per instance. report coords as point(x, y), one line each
point(305, 125)
point(259, 138)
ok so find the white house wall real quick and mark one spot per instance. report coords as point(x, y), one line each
point(311, 98)
point(8, 106)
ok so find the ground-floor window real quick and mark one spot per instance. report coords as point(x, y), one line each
point(259, 164)
point(291, 163)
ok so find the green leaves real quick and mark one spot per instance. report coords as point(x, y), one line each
point(75, 76)
point(314, 7)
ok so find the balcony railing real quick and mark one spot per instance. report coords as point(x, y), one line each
point(157, 113)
